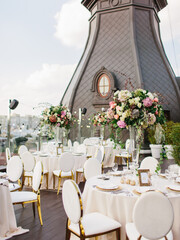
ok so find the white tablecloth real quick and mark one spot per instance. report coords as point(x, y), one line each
point(51, 163)
point(8, 226)
point(120, 206)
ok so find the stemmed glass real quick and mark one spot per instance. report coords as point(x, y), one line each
point(115, 167)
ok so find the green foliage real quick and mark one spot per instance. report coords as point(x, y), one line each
point(20, 140)
point(168, 127)
point(151, 133)
point(162, 157)
point(176, 142)
point(115, 134)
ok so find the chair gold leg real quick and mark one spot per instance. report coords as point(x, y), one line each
point(118, 233)
point(77, 174)
point(53, 181)
point(59, 185)
point(47, 176)
point(39, 211)
point(96, 238)
point(33, 206)
point(28, 182)
point(23, 205)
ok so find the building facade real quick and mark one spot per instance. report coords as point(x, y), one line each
point(123, 51)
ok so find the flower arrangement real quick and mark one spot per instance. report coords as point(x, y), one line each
point(58, 116)
point(99, 119)
point(139, 108)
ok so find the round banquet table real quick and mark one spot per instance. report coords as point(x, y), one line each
point(8, 226)
point(119, 204)
point(51, 163)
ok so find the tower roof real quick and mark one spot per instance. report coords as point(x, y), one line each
point(90, 3)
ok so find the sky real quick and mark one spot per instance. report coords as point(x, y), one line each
point(41, 43)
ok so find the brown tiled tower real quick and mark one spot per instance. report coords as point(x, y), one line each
point(124, 46)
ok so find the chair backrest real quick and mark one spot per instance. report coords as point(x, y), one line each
point(14, 168)
point(8, 155)
point(149, 163)
point(66, 162)
point(37, 176)
point(81, 149)
point(71, 197)
point(100, 154)
point(86, 141)
point(22, 149)
point(92, 167)
point(153, 215)
point(28, 161)
point(94, 140)
point(69, 143)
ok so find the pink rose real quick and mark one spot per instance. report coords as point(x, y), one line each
point(58, 125)
point(52, 118)
point(112, 104)
point(116, 116)
point(110, 114)
point(156, 112)
point(156, 100)
point(121, 124)
point(147, 102)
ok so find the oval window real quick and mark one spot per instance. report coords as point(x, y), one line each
point(103, 85)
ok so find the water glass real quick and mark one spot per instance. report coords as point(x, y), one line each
point(115, 167)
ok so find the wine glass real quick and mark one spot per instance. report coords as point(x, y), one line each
point(115, 167)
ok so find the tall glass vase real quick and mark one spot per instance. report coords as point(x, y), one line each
point(59, 135)
point(131, 139)
point(102, 130)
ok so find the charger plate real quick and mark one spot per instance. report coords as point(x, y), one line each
point(174, 188)
point(163, 175)
point(141, 190)
point(108, 187)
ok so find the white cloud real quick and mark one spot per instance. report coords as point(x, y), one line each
point(72, 24)
point(45, 85)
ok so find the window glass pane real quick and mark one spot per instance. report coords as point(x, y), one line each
point(103, 85)
point(106, 82)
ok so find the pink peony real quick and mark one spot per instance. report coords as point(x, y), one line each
point(116, 116)
point(147, 102)
point(63, 114)
point(112, 104)
point(110, 114)
point(121, 124)
point(156, 100)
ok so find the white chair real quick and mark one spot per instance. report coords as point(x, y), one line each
point(86, 141)
point(75, 146)
point(70, 144)
point(81, 149)
point(29, 163)
point(24, 197)
point(22, 149)
point(65, 169)
point(152, 218)
point(100, 155)
point(14, 172)
point(149, 163)
point(84, 225)
point(92, 167)
point(8, 155)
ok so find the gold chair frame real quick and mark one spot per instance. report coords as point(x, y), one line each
point(82, 235)
point(59, 180)
point(35, 201)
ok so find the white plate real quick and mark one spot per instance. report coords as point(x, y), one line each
point(43, 155)
point(117, 173)
point(175, 188)
point(107, 186)
point(78, 154)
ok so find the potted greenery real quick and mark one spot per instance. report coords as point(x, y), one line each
point(176, 142)
point(156, 138)
point(168, 127)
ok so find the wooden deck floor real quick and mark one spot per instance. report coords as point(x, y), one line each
point(53, 214)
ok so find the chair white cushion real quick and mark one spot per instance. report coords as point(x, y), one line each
point(18, 197)
point(13, 186)
point(133, 234)
point(14, 168)
point(94, 223)
point(63, 174)
point(92, 167)
point(28, 174)
point(80, 170)
point(149, 163)
point(37, 176)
